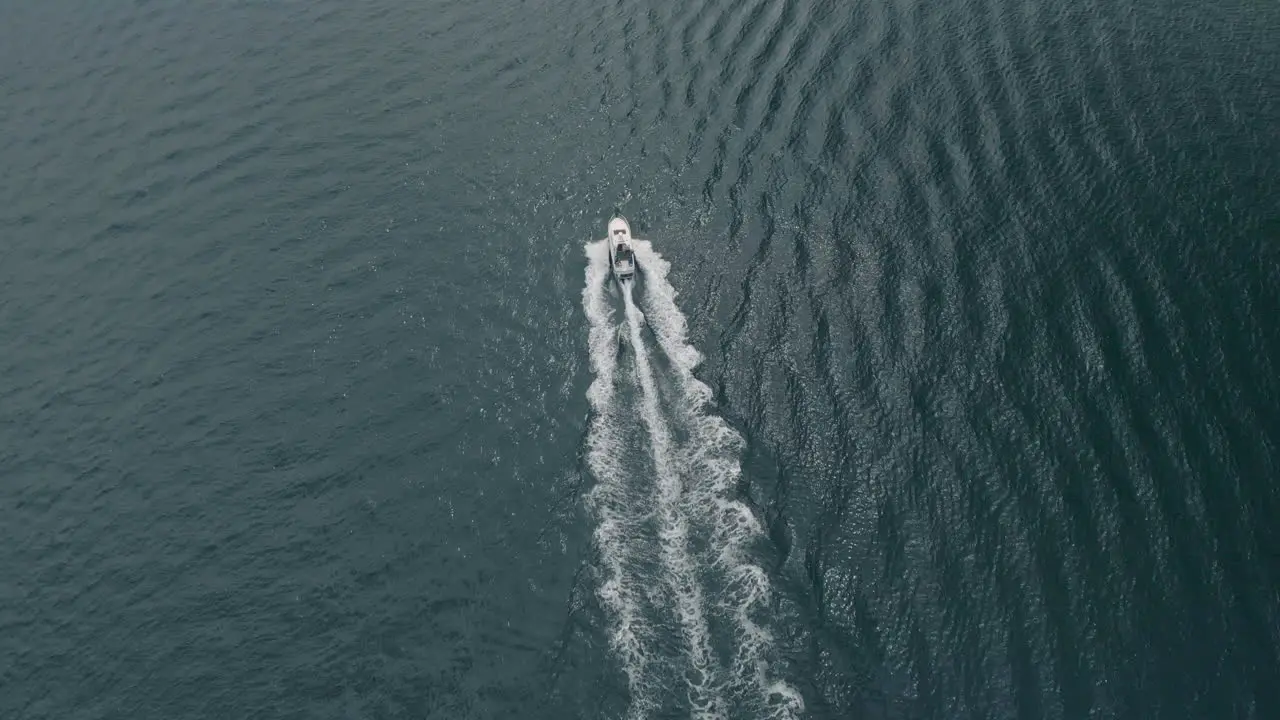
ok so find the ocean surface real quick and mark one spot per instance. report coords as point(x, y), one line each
point(949, 387)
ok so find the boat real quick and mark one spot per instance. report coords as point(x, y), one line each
point(621, 257)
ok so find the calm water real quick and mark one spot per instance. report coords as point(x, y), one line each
point(949, 389)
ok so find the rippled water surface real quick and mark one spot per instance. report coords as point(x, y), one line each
point(948, 388)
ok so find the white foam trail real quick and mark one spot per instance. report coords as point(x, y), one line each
point(674, 533)
point(607, 497)
point(711, 463)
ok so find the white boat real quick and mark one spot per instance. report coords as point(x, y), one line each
point(621, 257)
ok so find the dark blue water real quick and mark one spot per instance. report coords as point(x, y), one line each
point(948, 388)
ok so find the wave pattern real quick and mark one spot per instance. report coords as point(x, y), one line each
point(954, 260)
point(985, 289)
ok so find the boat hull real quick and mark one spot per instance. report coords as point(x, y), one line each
point(622, 259)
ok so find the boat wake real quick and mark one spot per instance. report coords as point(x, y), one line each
point(689, 472)
point(608, 498)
